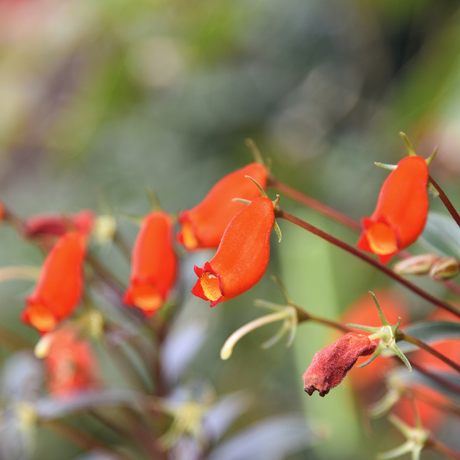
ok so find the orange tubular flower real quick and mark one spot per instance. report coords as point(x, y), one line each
point(242, 256)
point(204, 225)
point(401, 211)
point(59, 286)
point(70, 363)
point(154, 264)
point(331, 364)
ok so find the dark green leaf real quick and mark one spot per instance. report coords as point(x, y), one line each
point(441, 235)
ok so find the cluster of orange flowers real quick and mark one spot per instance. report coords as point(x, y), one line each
point(236, 217)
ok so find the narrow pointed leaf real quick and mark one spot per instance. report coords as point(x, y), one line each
point(442, 235)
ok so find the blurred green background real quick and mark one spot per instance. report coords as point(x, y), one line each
point(115, 97)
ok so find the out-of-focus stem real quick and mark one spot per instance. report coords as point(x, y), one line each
point(421, 396)
point(303, 316)
point(122, 245)
point(436, 377)
point(356, 252)
point(316, 205)
point(424, 346)
point(440, 447)
point(447, 203)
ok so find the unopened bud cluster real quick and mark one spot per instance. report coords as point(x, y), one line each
point(436, 267)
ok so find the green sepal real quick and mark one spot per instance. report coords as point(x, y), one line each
point(277, 231)
point(132, 218)
point(432, 190)
point(410, 149)
point(432, 157)
point(377, 351)
point(385, 166)
point(374, 330)
point(241, 200)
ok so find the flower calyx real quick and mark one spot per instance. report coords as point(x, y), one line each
point(388, 335)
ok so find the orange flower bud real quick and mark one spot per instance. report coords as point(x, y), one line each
point(70, 363)
point(154, 264)
point(204, 225)
point(58, 224)
point(331, 364)
point(401, 211)
point(242, 256)
point(59, 286)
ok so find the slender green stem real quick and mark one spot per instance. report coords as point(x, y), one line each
point(314, 204)
point(424, 346)
point(440, 447)
point(447, 203)
point(122, 245)
point(303, 316)
point(361, 255)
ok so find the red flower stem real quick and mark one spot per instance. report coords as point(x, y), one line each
point(421, 396)
point(440, 447)
point(315, 204)
point(435, 377)
point(356, 252)
point(424, 346)
point(303, 316)
point(351, 223)
point(447, 203)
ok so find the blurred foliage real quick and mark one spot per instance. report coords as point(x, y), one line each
point(118, 96)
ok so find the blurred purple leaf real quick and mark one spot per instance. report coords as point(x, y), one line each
point(17, 440)
point(222, 414)
point(97, 455)
point(181, 347)
point(22, 377)
point(270, 439)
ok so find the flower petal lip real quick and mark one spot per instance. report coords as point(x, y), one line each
point(331, 364)
point(60, 284)
point(154, 264)
point(401, 212)
point(202, 227)
point(242, 256)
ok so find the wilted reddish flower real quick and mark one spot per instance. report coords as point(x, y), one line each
point(331, 364)
point(363, 312)
point(204, 225)
point(59, 286)
point(58, 224)
point(71, 365)
point(242, 256)
point(154, 264)
point(401, 211)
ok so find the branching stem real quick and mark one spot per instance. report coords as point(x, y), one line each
point(357, 253)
